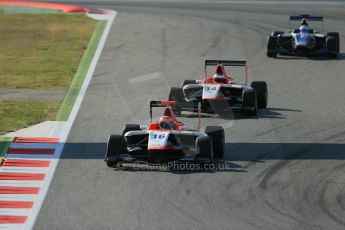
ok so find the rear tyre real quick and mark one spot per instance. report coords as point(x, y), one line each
point(249, 102)
point(188, 82)
point(216, 133)
point(261, 93)
point(130, 127)
point(176, 94)
point(272, 46)
point(114, 148)
point(203, 148)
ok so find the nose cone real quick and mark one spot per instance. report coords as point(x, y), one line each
point(301, 40)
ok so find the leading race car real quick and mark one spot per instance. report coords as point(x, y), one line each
point(303, 41)
point(166, 140)
point(220, 92)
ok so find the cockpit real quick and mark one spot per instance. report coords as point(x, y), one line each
point(305, 29)
point(166, 122)
point(219, 78)
point(166, 125)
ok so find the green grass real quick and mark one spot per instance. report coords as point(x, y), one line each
point(78, 79)
point(15, 115)
point(4, 144)
point(42, 51)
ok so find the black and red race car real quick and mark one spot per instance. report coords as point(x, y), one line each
point(165, 140)
point(220, 92)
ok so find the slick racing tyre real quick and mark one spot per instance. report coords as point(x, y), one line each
point(333, 34)
point(276, 33)
point(114, 148)
point(249, 102)
point(130, 127)
point(332, 46)
point(261, 93)
point(272, 46)
point(188, 82)
point(176, 94)
point(217, 135)
point(203, 148)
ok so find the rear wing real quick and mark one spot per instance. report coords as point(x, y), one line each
point(225, 62)
point(174, 104)
point(228, 63)
point(307, 17)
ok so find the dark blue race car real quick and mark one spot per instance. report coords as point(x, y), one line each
point(303, 41)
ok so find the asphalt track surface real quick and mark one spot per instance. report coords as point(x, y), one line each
point(285, 168)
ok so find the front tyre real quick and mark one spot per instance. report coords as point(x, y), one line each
point(130, 127)
point(332, 46)
point(336, 36)
point(115, 147)
point(203, 149)
point(333, 34)
point(272, 46)
point(188, 82)
point(276, 33)
point(218, 138)
point(249, 102)
point(261, 93)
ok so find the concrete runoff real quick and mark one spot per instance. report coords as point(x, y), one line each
point(284, 169)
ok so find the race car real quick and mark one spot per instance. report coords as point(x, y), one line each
point(220, 92)
point(303, 41)
point(165, 140)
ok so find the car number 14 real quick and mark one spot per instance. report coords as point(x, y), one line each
point(210, 91)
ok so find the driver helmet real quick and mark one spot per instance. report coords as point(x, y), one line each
point(219, 69)
point(304, 22)
point(166, 122)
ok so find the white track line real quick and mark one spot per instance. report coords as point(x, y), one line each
point(11, 169)
point(33, 146)
point(11, 226)
point(32, 156)
point(12, 183)
point(15, 212)
point(63, 134)
point(18, 197)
